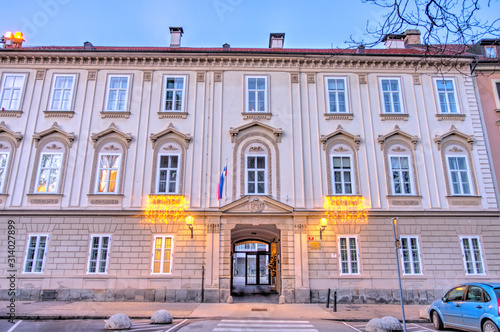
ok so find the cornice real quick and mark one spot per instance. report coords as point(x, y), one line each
point(246, 60)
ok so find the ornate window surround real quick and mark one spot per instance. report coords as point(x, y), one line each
point(256, 135)
point(49, 112)
point(107, 139)
point(58, 138)
point(173, 140)
point(12, 139)
point(338, 138)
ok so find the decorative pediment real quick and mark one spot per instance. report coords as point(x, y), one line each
point(170, 131)
point(453, 131)
point(397, 131)
point(111, 130)
point(278, 132)
point(256, 204)
point(15, 136)
point(54, 130)
point(356, 139)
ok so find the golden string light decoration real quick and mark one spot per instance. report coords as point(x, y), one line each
point(346, 209)
point(165, 208)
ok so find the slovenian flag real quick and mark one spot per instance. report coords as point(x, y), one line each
point(221, 183)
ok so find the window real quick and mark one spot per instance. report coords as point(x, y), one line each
point(342, 175)
point(491, 52)
point(4, 162)
point(473, 255)
point(34, 261)
point(349, 262)
point(391, 95)
point(498, 90)
point(475, 294)
point(49, 172)
point(456, 294)
point(12, 89)
point(162, 254)
point(446, 96)
point(337, 97)
point(107, 173)
point(168, 169)
point(99, 253)
point(257, 94)
point(256, 175)
point(459, 175)
point(174, 94)
point(410, 254)
point(401, 175)
point(117, 93)
point(62, 93)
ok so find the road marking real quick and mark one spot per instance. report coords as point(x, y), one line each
point(15, 325)
point(352, 327)
point(177, 325)
point(228, 325)
point(422, 327)
point(265, 321)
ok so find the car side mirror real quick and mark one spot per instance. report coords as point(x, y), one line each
point(444, 299)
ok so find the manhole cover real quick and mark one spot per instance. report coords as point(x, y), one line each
point(258, 309)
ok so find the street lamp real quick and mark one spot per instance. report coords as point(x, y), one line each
point(323, 223)
point(189, 223)
point(397, 245)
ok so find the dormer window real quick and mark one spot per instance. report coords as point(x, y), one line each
point(491, 52)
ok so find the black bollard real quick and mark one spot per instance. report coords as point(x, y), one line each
point(328, 299)
point(335, 301)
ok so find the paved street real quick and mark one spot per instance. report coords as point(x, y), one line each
point(204, 325)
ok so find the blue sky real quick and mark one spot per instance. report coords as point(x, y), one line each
point(206, 23)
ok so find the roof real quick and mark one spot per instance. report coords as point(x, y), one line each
point(417, 51)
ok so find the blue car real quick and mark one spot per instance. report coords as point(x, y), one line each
point(470, 307)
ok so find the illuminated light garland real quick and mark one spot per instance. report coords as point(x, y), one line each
point(346, 209)
point(165, 208)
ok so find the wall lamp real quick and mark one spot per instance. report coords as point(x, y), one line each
point(189, 223)
point(323, 223)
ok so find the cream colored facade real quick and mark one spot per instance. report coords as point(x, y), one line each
point(296, 134)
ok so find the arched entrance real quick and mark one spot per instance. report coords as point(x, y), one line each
point(255, 270)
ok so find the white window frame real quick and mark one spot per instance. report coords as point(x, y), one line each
point(408, 239)
point(256, 170)
point(3, 177)
point(400, 91)
point(410, 171)
point(98, 177)
point(496, 92)
point(486, 48)
point(99, 253)
point(469, 177)
point(247, 94)
point(39, 172)
point(349, 260)
point(21, 90)
point(51, 101)
point(127, 93)
point(346, 98)
point(183, 99)
point(162, 258)
point(342, 171)
point(168, 172)
point(474, 261)
point(38, 236)
point(455, 95)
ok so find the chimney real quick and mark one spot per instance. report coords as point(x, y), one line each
point(175, 36)
point(226, 47)
point(88, 46)
point(12, 40)
point(412, 37)
point(276, 40)
point(361, 49)
point(394, 41)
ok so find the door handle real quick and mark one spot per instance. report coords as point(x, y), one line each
point(457, 305)
point(479, 307)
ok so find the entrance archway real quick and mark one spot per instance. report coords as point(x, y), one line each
point(255, 272)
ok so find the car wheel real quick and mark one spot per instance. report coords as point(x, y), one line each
point(489, 326)
point(436, 320)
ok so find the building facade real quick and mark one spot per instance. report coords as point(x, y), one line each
point(105, 151)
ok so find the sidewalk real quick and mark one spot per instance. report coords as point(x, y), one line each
point(103, 310)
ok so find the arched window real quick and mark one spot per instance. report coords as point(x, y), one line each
point(342, 168)
point(9, 141)
point(458, 164)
